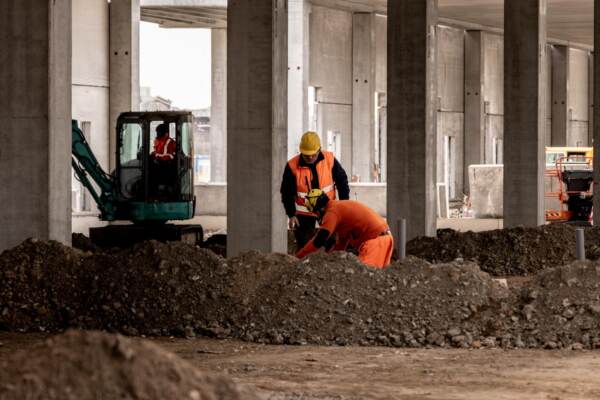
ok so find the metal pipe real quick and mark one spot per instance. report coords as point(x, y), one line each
point(580, 243)
point(401, 235)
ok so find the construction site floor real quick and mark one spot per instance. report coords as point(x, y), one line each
point(310, 372)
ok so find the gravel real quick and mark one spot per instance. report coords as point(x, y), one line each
point(177, 289)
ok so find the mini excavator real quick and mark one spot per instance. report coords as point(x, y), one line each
point(143, 193)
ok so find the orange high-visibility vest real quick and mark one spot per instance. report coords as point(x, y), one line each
point(304, 177)
point(164, 148)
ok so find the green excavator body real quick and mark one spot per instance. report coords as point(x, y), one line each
point(142, 189)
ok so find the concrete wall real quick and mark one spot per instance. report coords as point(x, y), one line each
point(450, 114)
point(211, 198)
point(578, 117)
point(90, 88)
point(330, 71)
point(493, 97)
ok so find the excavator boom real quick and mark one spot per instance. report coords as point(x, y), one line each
point(88, 169)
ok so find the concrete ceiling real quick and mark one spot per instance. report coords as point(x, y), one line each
point(185, 13)
point(568, 20)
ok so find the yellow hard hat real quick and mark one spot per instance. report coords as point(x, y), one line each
point(310, 143)
point(312, 198)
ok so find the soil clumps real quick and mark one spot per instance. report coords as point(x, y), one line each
point(41, 287)
point(176, 289)
point(94, 365)
point(559, 308)
point(507, 252)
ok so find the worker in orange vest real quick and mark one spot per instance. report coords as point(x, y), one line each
point(313, 168)
point(164, 145)
point(355, 224)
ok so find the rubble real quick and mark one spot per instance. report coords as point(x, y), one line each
point(507, 252)
point(176, 289)
point(94, 365)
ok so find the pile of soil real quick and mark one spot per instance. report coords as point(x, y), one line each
point(155, 289)
point(94, 365)
point(177, 289)
point(41, 286)
point(558, 308)
point(334, 299)
point(507, 252)
point(84, 243)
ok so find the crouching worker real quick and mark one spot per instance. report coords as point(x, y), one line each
point(354, 224)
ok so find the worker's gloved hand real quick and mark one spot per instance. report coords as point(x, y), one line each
point(293, 223)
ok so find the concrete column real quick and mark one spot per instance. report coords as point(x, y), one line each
point(411, 147)
point(35, 114)
point(257, 125)
point(298, 44)
point(474, 101)
point(591, 98)
point(596, 114)
point(124, 64)
point(560, 94)
point(218, 108)
point(363, 95)
point(524, 111)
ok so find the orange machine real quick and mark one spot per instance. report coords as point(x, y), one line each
point(568, 182)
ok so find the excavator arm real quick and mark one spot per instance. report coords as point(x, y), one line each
point(88, 169)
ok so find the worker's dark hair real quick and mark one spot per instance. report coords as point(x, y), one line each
point(162, 129)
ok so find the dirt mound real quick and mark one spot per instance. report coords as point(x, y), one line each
point(506, 252)
point(155, 288)
point(559, 308)
point(334, 299)
point(83, 243)
point(41, 288)
point(93, 365)
point(176, 289)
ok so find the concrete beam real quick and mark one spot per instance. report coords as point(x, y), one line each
point(560, 94)
point(524, 111)
point(363, 96)
point(35, 114)
point(411, 147)
point(474, 101)
point(124, 64)
point(257, 62)
point(218, 108)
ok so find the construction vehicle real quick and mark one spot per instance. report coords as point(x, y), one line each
point(568, 181)
point(143, 193)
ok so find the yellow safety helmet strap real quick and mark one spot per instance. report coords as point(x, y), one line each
point(312, 198)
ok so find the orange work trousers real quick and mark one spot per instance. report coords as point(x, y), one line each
point(377, 253)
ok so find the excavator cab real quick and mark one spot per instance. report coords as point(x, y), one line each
point(149, 186)
point(155, 186)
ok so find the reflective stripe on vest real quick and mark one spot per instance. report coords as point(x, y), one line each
point(164, 152)
point(304, 176)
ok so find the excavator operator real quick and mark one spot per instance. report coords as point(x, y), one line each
point(164, 145)
point(163, 169)
point(354, 224)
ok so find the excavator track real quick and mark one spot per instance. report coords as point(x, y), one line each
point(123, 236)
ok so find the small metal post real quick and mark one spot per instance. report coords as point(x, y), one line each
point(580, 243)
point(401, 235)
